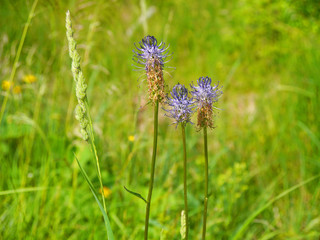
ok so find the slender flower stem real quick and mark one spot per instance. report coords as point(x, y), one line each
point(153, 163)
point(94, 151)
point(205, 139)
point(185, 178)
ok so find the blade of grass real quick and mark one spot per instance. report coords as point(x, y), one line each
point(310, 133)
point(21, 190)
point(294, 89)
point(245, 225)
point(105, 216)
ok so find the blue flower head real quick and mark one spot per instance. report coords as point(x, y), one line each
point(152, 57)
point(205, 95)
point(149, 53)
point(180, 105)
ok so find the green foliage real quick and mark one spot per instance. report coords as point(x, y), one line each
point(230, 189)
point(264, 53)
point(105, 216)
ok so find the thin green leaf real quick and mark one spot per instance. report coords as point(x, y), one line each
point(245, 225)
point(105, 216)
point(22, 190)
point(85, 175)
point(310, 133)
point(135, 194)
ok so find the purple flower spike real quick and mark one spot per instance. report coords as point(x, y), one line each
point(152, 57)
point(149, 52)
point(181, 105)
point(205, 95)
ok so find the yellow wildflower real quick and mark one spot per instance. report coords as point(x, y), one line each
point(6, 85)
point(29, 78)
point(106, 191)
point(17, 89)
point(131, 138)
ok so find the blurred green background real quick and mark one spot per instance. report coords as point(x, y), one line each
point(265, 54)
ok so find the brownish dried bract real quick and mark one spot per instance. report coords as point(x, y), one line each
point(205, 115)
point(155, 81)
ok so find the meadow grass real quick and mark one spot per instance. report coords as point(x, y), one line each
point(264, 53)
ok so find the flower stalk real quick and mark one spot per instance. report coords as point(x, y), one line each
point(180, 109)
point(153, 164)
point(151, 56)
point(206, 182)
point(205, 96)
point(185, 190)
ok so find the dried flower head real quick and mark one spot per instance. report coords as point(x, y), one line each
point(152, 57)
point(181, 105)
point(205, 95)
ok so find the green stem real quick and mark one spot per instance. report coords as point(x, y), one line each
point(205, 139)
point(94, 151)
point(153, 163)
point(185, 178)
point(16, 60)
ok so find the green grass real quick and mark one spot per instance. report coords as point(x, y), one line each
point(264, 53)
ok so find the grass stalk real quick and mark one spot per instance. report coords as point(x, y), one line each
point(153, 163)
point(16, 60)
point(94, 151)
point(82, 112)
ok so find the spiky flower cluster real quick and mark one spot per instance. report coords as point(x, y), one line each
point(152, 57)
point(181, 105)
point(205, 95)
point(81, 86)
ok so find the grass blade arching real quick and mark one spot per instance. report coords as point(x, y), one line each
point(105, 216)
point(245, 225)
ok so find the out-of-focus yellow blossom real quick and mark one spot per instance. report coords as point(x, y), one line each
point(6, 85)
point(131, 138)
point(106, 191)
point(17, 89)
point(29, 78)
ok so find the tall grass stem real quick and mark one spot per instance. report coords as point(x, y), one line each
point(82, 110)
point(94, 151)
point(153, 163)
point(16, 60)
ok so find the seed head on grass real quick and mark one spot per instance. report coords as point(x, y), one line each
point(183, 225)
point(180, 105)
point(205, 96)
point(152, 57)
point(81, 86)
